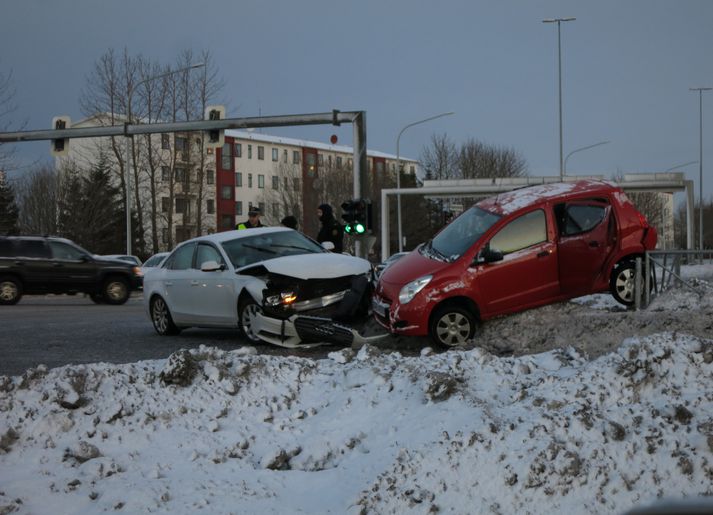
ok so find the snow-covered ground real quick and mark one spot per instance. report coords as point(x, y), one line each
point(501, 428)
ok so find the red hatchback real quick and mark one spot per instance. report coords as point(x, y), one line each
point(512, 252)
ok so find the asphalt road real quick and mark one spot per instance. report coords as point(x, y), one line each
point(57, 330)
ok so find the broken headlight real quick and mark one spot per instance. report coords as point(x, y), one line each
point(282, 299)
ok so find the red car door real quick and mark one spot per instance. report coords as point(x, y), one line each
point(587, 237)
point(527, 275)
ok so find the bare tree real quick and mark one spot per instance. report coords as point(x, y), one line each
point(440, 158)
point(37, 194)
point(481, 160)
point(7, 111)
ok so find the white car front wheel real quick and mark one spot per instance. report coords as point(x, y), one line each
point(247, 310)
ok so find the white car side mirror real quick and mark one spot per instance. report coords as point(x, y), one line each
point(211, 266)
point(328, 245)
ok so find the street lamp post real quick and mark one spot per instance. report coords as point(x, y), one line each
point(579, 150)
point(398, 171)
point(559, 21)
point(128, 154)
point(700, 164)
point(680, 166)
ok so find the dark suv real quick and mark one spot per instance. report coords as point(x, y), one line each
point(38, 265)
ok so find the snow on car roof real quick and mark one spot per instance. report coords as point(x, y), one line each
point(506, 203)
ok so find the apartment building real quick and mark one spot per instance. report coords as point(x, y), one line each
point(286, 176)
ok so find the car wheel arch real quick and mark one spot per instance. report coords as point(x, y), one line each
point(459, 301)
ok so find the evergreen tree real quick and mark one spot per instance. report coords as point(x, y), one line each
point(91, 210)
point(8, 208)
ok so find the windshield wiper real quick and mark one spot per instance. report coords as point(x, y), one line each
point(293, 247)
point(260, 249)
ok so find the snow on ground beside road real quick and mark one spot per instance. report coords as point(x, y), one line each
point(465, 431)
point(234, 432)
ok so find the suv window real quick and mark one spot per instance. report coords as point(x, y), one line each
point(207, 252)
point(63, 251)
point(182, 257)
point(523, 232)
point(31, 249)
point(579, 218)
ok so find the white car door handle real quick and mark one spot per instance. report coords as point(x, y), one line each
point(195, 283)
point(169, 283)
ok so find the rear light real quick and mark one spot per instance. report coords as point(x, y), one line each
point(643, 221)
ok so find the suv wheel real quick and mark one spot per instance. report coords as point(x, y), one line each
point(452, 326)
point(161, 318)
point(10, 290)
point(115, 290)
point(622, 283)
point(247, 309)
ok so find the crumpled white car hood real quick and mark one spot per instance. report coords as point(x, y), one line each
point(317, 266)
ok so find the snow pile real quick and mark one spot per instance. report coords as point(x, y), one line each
point(362, 432)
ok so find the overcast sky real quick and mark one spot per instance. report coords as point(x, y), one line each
point(627, 69)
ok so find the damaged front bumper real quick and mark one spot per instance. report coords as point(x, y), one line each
point(304, 331)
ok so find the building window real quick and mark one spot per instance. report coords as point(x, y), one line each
point(274, 154)
point(238, 179)
point(238, 150)
point(250, 180)
point(320, 159)
point(181, 143)
point(179, 174)
point(239, 208)
point(226, 222)
point(165, 173)
point(329, 160)
point(284, 156)
point(276, 210)
point(261, 153)
point(260, 181)
point(164, 234)
point(296, 183)
point(165, 204)
point(183, 206)
point(226, 192)
point(227, 157)
point(412, 170)
point(275, 182)
point(250, 151)
point(261, 205)
point(339, 161)
point(209, 177)
point(380, 167)
point(296, 157)
point(210, 206)
point(165, 141)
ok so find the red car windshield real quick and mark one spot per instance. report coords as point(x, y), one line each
point(461, 233)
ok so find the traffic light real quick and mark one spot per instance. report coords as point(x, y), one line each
point(214, 138)
point(60, 146)
point(357, 215)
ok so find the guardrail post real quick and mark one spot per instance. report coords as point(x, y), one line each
point(647, 280)
point(637, 284)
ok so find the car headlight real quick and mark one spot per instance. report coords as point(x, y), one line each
point(284, 298)
point(409, 291)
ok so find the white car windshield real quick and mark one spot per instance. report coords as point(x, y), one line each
point(246, 251)
point(460, 234)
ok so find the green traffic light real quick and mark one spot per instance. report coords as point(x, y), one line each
point(348, 228)
point(359, 228)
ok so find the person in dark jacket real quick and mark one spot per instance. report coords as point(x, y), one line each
point(252, 221)
point(331, 230)
point(289, 221)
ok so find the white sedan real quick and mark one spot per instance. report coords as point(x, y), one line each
point(258, 280)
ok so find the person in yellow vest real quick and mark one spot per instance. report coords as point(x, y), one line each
point(252, 221)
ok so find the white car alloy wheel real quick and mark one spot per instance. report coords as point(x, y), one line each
point(247, 320)
point(625, 284)
point(161, 318)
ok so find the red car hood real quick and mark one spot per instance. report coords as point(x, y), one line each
point(409, 268)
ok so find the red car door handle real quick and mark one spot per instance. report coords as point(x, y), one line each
point(593, 243)
point(544, 253)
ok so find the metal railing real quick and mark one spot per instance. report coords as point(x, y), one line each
point(662, 270)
